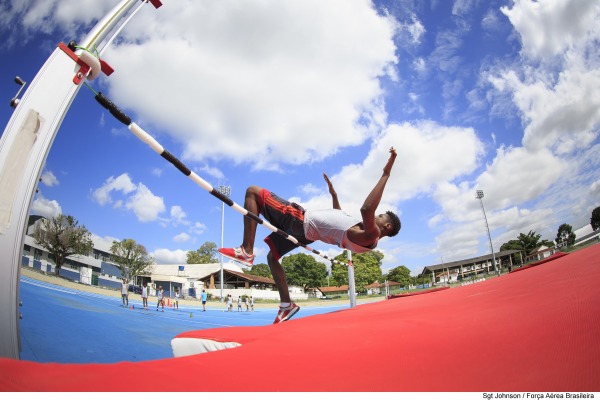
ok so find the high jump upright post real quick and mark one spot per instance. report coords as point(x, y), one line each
point(24, 147)
point(351, 283)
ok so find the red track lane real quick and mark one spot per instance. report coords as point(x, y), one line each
point(537, 330)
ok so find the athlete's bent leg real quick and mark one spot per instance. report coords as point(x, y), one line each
point(251, 202)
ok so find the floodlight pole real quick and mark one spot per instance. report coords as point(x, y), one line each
point(226, 191)
point(479, 195)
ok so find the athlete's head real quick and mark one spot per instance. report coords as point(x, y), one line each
point(395, 221)
point(389, 224)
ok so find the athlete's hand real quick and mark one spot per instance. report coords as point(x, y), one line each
point(388, 167)
point(331, 189)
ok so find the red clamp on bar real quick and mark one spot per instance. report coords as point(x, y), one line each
point(156, 3)
point(107, 69)
point(85, 67)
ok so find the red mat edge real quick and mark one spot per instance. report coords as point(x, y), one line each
point(545, 260)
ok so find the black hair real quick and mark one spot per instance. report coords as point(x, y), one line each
point(396, 225)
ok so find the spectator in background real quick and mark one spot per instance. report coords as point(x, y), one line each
point(203, 300)
point(145, 295)
point(176, 298)
point(229, 303)
point(160, 293)
point(125, 293)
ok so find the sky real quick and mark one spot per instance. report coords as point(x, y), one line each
point(500, 96)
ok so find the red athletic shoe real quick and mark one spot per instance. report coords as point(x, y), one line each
point(238, 254)
point(286, 313)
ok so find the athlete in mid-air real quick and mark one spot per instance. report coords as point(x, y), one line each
point(332, 226)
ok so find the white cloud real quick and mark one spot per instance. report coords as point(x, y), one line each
point(546, 182)
point(595, 188)
point(145, 205)
point(415, 104)
point(462, 7)
point(157, 172)
point(415, 29)
point(44, 207)
point(300, 75)
point(554, 89)
point(563, 117)
point(46, 15)
point(212, 171)
point(181, 238)
point(122, 184)
point(460, 241)
point(447, 56)
point(517, 175)
point(310, 189)
point(490, 21)
point(419, 66)
point(166, 256)
point(138, 198)
point(549, 27)
point(178, 216)
point(198, 228)
point(49, 179)
point(104, 243)
point(429, 155)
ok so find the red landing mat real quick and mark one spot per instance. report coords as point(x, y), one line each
point(538, 330)
point(543, 261)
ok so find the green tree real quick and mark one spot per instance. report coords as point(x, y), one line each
point(367, 269)
point(339, 273)
point(303, 270)
point(259, 270)
point(422, 279)
point(526, 243)
point(514, 245)
point(131, 258)
point(400, 274)
point(62, 237)
point(565, 235)
point(595, 220)
point(206, 254)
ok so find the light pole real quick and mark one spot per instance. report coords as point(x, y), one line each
point(226, 191)
point(479, 195)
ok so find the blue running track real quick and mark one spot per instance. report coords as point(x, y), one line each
point(70, 326)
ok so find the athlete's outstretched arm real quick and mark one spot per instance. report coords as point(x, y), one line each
point(374, 198)
point(333, 193)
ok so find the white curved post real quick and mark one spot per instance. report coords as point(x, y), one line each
point(24, 147)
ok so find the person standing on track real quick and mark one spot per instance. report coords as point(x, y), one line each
point(160, 293)
point(145, 295)
point(176, 300)
point(203, 297)
point(332, 226)
point(125, 293)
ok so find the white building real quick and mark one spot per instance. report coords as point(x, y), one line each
point(97, 269)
